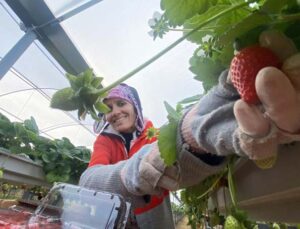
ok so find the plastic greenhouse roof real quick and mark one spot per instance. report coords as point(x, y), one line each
point(112, 37)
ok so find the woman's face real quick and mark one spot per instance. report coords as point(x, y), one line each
point(122, 115)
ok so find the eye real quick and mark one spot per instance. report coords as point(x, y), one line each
point(121, 103)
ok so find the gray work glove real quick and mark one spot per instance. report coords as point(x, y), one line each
point(146, 173)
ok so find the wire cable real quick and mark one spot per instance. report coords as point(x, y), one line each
point(21, 120)
point(29, 82)
point(46, 96)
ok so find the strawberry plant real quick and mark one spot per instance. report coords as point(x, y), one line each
point(217, 40)
point(61, 160)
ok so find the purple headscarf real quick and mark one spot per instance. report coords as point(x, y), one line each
point(123, 91)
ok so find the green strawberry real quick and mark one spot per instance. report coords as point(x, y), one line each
point(1, 173)
point(275, 226)
point(266, 163)
point(232, 223)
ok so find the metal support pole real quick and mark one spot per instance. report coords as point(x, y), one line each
point(13, 55)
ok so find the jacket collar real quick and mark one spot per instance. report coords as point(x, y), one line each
point(107, 129)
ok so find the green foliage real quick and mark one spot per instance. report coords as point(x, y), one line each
point(65, 99)
point(173, 115)
point(207, 71)
point(238, 28)
point(190, 100)
point(30, 124)
point(217, 41)
point(166, 140)
point(177, 209)
point(179, 11)
point(84, 95)
point(167, 136)
point(217, 27)
point(196, 198)
point(61, 160)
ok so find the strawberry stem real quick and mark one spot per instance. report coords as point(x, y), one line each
point(211, 188)
point(289, 17)
point(231, 185)
point(168, 48)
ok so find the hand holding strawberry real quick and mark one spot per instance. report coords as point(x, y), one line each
point(263, 127)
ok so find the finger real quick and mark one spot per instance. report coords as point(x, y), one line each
point(154, 158)
point(281, 45)
point(173, 172)
point(168, 183)
point(146, 188)
point(259, 148)
point(150, 173)
point(250, 119)
point(291, 67)
point(279, 98)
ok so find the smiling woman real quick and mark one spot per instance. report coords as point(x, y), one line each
point(126, 110)
point(122, 115)
point(123, 133)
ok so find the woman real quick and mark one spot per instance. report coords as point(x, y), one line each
point(123, 131)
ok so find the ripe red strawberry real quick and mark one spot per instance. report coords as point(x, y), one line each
point(245, 66)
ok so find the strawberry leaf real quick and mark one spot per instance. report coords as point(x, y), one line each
point(217, 27)
point(96, 82)
point(102, 107)
point(274, 6)
point(88, 77)
point(167, 142)
point(172, 113)
point(30, 124)
point(206, 70)
point(73, 80)
point(64, 99)
point(180, 10)
point(191, 99)
point(243, 27)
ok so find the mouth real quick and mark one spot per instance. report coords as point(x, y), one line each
point(119, 120)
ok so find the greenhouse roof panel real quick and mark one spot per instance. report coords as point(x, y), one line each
point(51, 35)
point(112, 37)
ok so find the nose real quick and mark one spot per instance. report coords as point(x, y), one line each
point(115, 110)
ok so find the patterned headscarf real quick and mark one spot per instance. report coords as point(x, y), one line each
point(130, 94)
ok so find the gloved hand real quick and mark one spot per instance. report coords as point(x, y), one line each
point(146, 173)
point(154, 171)
point(277, 119)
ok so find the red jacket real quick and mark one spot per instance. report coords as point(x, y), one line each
point(109, 149)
